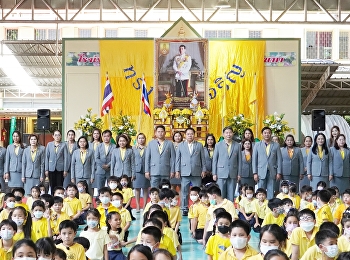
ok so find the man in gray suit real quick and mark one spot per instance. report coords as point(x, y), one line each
point(267, 163)
point(160, 158)
point(190, 166)
point(227, 164)
point(103, 154)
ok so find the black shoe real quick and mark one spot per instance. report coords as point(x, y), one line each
point(185, 213)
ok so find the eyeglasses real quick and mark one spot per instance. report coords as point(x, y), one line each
point(306, 218)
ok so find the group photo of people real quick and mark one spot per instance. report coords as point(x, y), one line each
point(80, 199)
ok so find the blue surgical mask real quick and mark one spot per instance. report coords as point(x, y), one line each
point(213, 202)
point(91, 223)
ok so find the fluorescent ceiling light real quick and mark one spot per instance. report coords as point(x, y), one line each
point(10, 65)
point(222, 4)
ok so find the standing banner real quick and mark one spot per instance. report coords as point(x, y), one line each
point(126, 61)
point(236, 67)
point(12, 128)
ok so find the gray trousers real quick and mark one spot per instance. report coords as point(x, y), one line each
point(155, 180)
point(185, 188)
point(269, 184)
point(227, 187)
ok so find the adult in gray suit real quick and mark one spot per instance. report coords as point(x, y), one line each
point(190, 165)
point(247, 169)
point(123, 158)
point(56, 160)
point(227, 164)
point(103, 154)
point(267, 163)
point(341, 164)
point(292, 161)
point(83, 163)
point(319, 162)
point(160, 158)
point(13, 161)
point(2, 164)
point(33, 164)
point(305, 152)
point(72, 145)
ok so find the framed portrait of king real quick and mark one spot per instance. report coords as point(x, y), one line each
point(181, 72)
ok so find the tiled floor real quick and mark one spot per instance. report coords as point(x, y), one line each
point(190, 248)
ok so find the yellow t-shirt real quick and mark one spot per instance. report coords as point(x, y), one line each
point(124, 216)
point(344, 244)
point(312, 253)
point(296, 201)
point(148, 205)
point(217, 245)
point(338, 214)
point(85, 199)
point(76, 251)
point(104, 211)
point(175, 215)
point(324, 214)
point(56, 220)
point(225, 204)
point(256, 257)
point(39, 229)
point(300, 239)
point(304, 204)
point(6, 254)
point(2, 195)
point(127, 194)
point(22, 205)
point(67, 208)
point(192, 208)
point(247, 205)
point(200, 212)
point(167, 243)
point(4, 214)
point(282, 196)
point(18, 236)
point(260, 209)
point(172, 235)
point(270, 219)
point(229, 254)
point(74, 204)
point(29, 202)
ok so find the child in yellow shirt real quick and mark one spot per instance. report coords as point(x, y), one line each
point(306, 197)
point(165, 197)
point(60, 191)
point(117, 201)
point(106, 206)
point(324, 212)
point(199, 216)
point(74, 203)
point(127, 194)
point(284, 190)
point(45, 247)
point(218, 243)
point(245, 208)
point(276, 214)
point(35, 192)
point(342, 207)
point(113, 183)
point(23, 220)
point(194, 197)
point(175, 214)
point(294, 196)
point(41, 226)
point(260, 208)
point(7, 230)
point(19, 194)
point(84, 197)
point(57, 216)
point(9, 202)
point(154, 196)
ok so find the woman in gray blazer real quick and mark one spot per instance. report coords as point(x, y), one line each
point(319, 162)
point(305, 152)
point(209, 147)
point(177, 140)
point(335, 132)
point(123, 160)
point(292, 161)
point(141, 182)
point(33, 164)
point(71, 146)
point(246, 176)
point(83, 163)
point(341, 164)
point(96, 139)
point(13, 161)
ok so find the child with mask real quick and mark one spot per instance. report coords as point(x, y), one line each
point(117, 201)
point(199, 215)
point(284, 190)
point(324, 212)
point(7, 230)
point(41, 226)
point(106, 206)
point(246, 206)
point(9, 200)
point(276, 215)
point(220, 240)
point(291, 221)
point(240, 236)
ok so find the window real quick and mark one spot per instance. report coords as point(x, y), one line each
point(46, 34)
point(111, 33)
point(254, 34)
point(141, 33)
point(40, 34)
point(84, 33)
point(11, 34)
point(217, 34)
point(52, 33)
point(343, 45)
point(319, 45)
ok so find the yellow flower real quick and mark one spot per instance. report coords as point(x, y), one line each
point(186, 111)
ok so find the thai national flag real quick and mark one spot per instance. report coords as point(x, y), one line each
point(107, 98)
point(144, 98)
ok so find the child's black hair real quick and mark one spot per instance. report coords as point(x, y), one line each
point(305, 188)
point(274, 203)
point(161, 215)
point(38, 203)
point(35, 188)
point(104, 190)
point(224, 215)
point(175, 193)
point(276, 252)
point(249, 188)
point(61, 254)
point(164, 182)
point(213, 189)
point(45, 246)
point(85, 184)
point(96, 214)
point(238, 223)
point(128, 179)
point(57, 199)
point(42, 186)
point(72, 185)
point(8, 195)
point(276, 231)
point(108, 217)
point(166, 193)
point(9, 222)
point(332, 191)
point(58, 188)
point(20, 190)
point(307, 212)
point(324, 196)
point(118, 194)
point(196, 189)
point(286, 201)
point(113, 178)
point(68, 224)
point(216, 212)
point(48, 198)
point(27, 224)
point(25, 241)
point(153, 231)
point(155, 222)
point(153, 189)
point(146, 214)
point(322, 184)
point(203, 193)
point(292, 213)
point(293, 188)
point(260, 190)
point(322, 235)
point(82, 241)
point(330, 226)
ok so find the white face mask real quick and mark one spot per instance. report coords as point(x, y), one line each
point(249, 196)
point(61, 195)
point(165, 187)
point(6, 234)
point(11, 204)
point(105, 200)
point(347, 231)
point(239, 242)
point(91, 223)
point(116, 203)
point(38, 214)
point(174, 203)
point(113, 186)
point(43, 258)
point(308, 197)
point(81, 189)
point(194, 198)
point(332, 251)
point(264, 249)
point(150, 247)
point(285, 190)
point(18, 221)
point(319, 188)
point(24, 258)
point(307, 226)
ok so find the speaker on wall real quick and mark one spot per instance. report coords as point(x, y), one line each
point(44, 118)
point(318, 119)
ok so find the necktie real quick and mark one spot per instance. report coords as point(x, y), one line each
point(160, 146)
point(122, 153)
point(228, 147)
point(33, 154)
point(267, 148)
point(320, 152)
point(83, 156)
point(190, 147)
point(106, 148)
point(16, 149)
point(290, 152)
point(342, 154)
point(141, 151)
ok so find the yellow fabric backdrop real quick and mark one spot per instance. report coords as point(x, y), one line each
point(117, 55)
point(236, 62)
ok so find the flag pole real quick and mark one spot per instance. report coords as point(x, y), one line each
point(140, 112)
point(223, 108)
point(256, 105)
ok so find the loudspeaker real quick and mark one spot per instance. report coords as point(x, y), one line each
point(43, 122)
point(318, 119)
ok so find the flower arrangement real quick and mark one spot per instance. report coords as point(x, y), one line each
point(278, 126)
point(186, 112)
point(205, 111)
point(156, 111)
point(87, 123)
point(239, 123)
point(122, 124)
point(176, 112)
